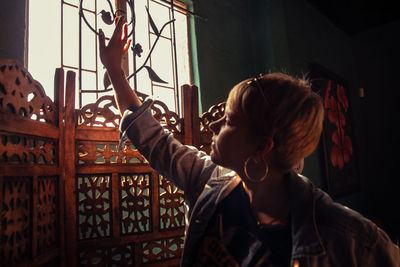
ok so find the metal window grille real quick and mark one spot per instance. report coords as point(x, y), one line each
point(158, 61)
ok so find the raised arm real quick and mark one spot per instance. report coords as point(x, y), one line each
point(185, 166)
point(111, 57)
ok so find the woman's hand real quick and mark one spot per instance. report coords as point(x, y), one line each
point(111, 55)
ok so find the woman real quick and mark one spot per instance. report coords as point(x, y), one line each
point(244, 204)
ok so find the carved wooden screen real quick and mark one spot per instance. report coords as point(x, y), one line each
point(204, 134)
point(123, 212)
point(31, 188)
point(67, 196)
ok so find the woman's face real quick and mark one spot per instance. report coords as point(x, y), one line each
point(231, 144)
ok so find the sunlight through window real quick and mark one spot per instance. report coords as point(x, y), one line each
point(53, 42)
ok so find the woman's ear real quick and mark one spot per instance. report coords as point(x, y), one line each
point(266, 145)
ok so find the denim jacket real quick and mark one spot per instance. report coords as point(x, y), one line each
point(324, 233)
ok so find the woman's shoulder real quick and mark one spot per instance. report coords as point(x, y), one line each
point(336, 220)
point(344, 229)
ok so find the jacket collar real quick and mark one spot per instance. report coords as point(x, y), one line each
point(228, 187)
point(305, 235)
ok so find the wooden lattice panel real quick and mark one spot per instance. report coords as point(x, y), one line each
point(214, 113)
point(102, 113)
point(168, 119)
point(15, 220)
point(120, 212)
point(125, 213)
point(171, 200)
point(21, 94)
point(16, 148)
point(18, 214)
point(47, 213)
point(29, 169)
point(122, 255)
point(94, 206)
point(162, 250)
point(135, 204)
point(103, 152)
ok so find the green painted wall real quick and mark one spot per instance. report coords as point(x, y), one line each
point(237, 40)
point(224, 52)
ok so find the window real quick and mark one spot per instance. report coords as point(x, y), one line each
point(59, 37)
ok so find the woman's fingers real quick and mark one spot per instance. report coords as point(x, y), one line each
point(126, 47)
point(120, 21)
point(118, 29)
point(111, 53)
point(102, 43)
point(124, 39)
point(125, 34)
point(102, 39)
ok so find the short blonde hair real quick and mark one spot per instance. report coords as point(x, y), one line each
point(284, 108)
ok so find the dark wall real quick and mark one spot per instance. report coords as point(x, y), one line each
point(12, 30)
point(274, 35)
point(369, 60)
point(377, 55)
point(240, 39)
point(224, 51)
point(237, 40)
point(311, 38)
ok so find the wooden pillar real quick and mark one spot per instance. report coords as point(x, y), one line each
point(71, 232)
point(34, 214)
point(191, 115)
point(1, 198)
point(155, 202)
point(59, 102)
point(116, 215)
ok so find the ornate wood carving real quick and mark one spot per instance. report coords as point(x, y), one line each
point(171, 199)
point(94, 202)
point(103, 113)
point(118, 210)
point(47, 215)
point(27, 149)
point(92, 152)
point(214, 113)
point(15, 220)
point(161, 250)
point(135, 204)
point(122, 255)
point(29, 169)
point(170, 120)
point(22, 95)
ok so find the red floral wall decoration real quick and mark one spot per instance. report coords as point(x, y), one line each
point(342, 177)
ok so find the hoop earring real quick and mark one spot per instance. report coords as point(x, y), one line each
point(247, 173)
